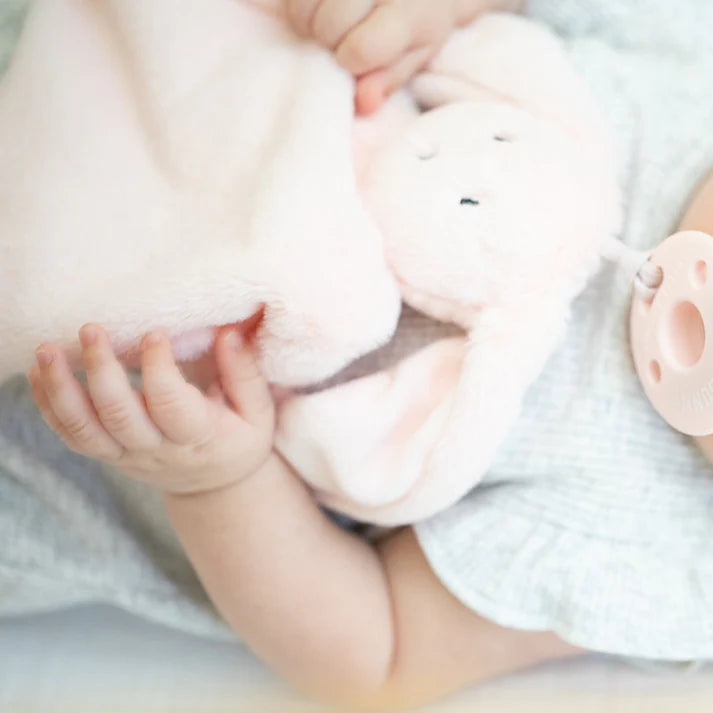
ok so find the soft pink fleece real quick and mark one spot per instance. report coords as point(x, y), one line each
point(181, 165)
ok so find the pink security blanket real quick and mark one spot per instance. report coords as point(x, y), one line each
point(184, 164)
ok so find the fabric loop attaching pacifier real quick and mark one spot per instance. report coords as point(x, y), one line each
point(670, 325)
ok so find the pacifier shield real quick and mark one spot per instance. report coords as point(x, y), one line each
point(671, 334)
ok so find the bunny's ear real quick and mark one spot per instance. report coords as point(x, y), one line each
point(362, 445)
point(399, 446)
point(507, 350)
point(511, 59)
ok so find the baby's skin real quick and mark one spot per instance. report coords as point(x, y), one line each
point(383, 43)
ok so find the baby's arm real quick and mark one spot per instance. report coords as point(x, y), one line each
point(385, 42)
point(338, 617)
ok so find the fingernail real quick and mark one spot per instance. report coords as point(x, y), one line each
point(234, 340)
point(44, 357)
point(88, 335)
point(152, 339)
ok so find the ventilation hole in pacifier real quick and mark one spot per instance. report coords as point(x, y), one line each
point(684, 334)
point(655, 371)
point(699, 274)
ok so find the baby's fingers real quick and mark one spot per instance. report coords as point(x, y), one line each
point(177, 408)
point(335, 18)
point(372, 89)
point(120, 408)
point(378, 42)
point(242, 381)
point(301, 13)
point(43, 404)
point(67, 408)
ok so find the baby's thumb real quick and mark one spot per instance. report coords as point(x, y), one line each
point(240, 377)
point(373, 88)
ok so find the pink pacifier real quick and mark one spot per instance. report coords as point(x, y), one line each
point(671, 323)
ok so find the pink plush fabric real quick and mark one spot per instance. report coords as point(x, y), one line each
point(183, 165)
point(494, 210)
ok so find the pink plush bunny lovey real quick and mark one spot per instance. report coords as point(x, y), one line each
point(495, 208)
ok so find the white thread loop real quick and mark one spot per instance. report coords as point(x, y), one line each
point(648, 280)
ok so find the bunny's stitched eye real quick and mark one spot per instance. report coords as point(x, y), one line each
point(469, 201)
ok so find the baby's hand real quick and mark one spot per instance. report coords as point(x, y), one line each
point(383, 43)
point(172, 435)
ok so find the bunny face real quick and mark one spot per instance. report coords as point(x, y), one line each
point(479, 202)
